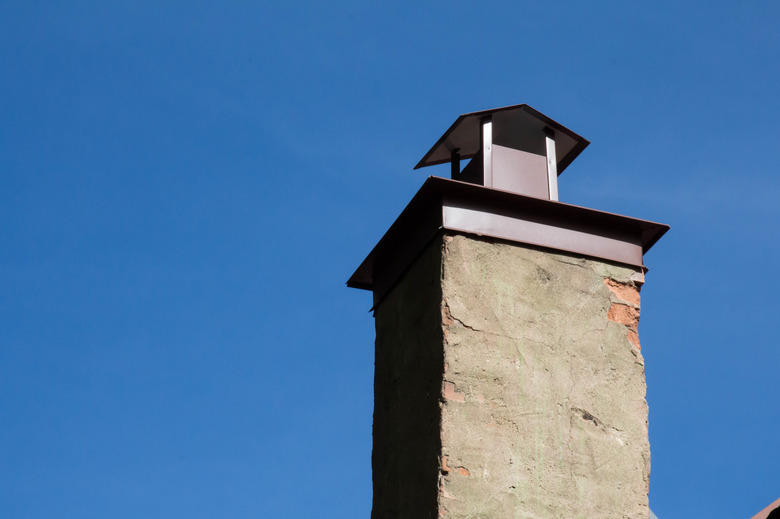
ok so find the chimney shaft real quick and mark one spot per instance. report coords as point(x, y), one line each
point(509, 383)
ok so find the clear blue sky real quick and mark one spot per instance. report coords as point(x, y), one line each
point(186, 186)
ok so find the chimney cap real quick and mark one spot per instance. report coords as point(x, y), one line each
point(521, 127)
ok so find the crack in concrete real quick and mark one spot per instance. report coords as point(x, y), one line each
point(571, 436)
point(587, 416)
point(574, 263)
point(448, 316)
point(589, 332)
point(449, 319)
point(598, 422)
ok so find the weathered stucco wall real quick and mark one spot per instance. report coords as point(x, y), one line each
point(544, 412)
point(509, 383)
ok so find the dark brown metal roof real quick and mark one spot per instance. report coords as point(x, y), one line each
point(472, 209)
point(464, 135)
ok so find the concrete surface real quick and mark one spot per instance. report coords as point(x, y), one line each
point(509, 384)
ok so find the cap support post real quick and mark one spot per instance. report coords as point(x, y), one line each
point(552, 164)
point(487, 151)
point(455, 163)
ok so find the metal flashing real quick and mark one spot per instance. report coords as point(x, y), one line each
point(443, 204)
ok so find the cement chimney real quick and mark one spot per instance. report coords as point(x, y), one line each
point(509, 380)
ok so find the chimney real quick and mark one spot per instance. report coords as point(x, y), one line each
point(509, 380)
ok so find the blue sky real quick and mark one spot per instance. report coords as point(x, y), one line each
point(186, 186)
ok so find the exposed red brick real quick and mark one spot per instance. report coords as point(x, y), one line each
point(633, 338)
point(624, 314)
point(450, 393)
point(444, 468)
point(624, 291)
point(446, 316)
point(628, 316)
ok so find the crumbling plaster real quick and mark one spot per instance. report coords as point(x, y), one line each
point(513, 377)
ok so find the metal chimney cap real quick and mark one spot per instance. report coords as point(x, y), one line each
point(517, 126)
